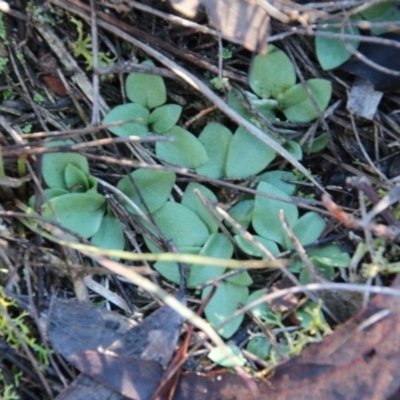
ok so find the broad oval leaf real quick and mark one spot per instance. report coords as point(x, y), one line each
point(296, 104)
point(266, 220)
point(294, 149)
point(259, 346)
point(110, 235)
point(135, 113)
point(253, 250)
point(261, 310)
point(54, 165)
point(163, 118)
point(48, 194)
point(242, 279)
point(272, 73)
point(152, 186)
point(180, 224)
point(186, 150)
point(332, 52)
point(242, 213)
point(247, 155)
point(307, 229)
point(215, 138)
point(191, 200)
point(280, 179)
point(145, 89)
point(79, 212)
point(218, 246)
point(223, 304)
point(76, 179)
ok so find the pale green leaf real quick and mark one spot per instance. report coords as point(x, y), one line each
point(76, 179)
point(134, 113)
point(247, 155)
point(259, 346)
point(217, 246)
point(242, 213)
point(110, 235)
point(252, 250)
point(296, 104)
point(223, 304)
point(220, 357)
point(262, 310)
point(242, 279)
point(317, 144)
point(192, 201)
point(145, 89)
point(153, 187)
point(294, 149)
point(272, 73)
point(280, 179)
point(163, 118)
point(215, 138)
point(266, 220)
point(186, 150)
point(79, 212)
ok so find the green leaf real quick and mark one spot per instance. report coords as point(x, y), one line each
point(110, 235)
point(54, 165)
point(48, 194)
point(242, 279)
point(170, 270)
point(294, 149)
point(190, 200)
point(266, 220)
point(217, 246)
point(391, 14)
point(259, 346)
point(280, 179)
point(318, 144)
point(296, 104)
point(247, 155)
point(377, 10)
point(135, 113)
point(327, 272)
point(242, 213)
point(262, 310)
point(307, 229)
point(223, 304)
point(252, 250)
point(79, 212)
point(186, 150)
point(331, 52)
point(154, 187)
point(145, 89)
point(215, 138)
point(75, 178)
point(165, 117)
point(220, 357)
point(180, 224)
point(271, 74)
point(236, 105)
point(330, 255)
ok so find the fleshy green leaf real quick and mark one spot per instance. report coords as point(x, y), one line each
point(280, 179)
point(145, 89)
point(262, 310)
point(331, 52)
point(318, 144)
point(217, 246)
point(219, 356)
point(247, 155)
point(135, 113)
point(294, 149)
point(180, 224)
point(110, 235)
point(296, 104)
point(48, 194)
point(252, 250)
point(329, 255)
point(163, 118)
point(266, 220)
point(271, 74)
point(54, 165)
point(307, 229)
point(223, 304)
point(79, 212)
point(186, 150)
point(242, 213)
point(190, 200)
point(242, 279)
point(259, 346)
point(75, 178)
point(154, 187)
point(215, 138)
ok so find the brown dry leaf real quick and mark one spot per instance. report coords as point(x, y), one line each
point(241, 21)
